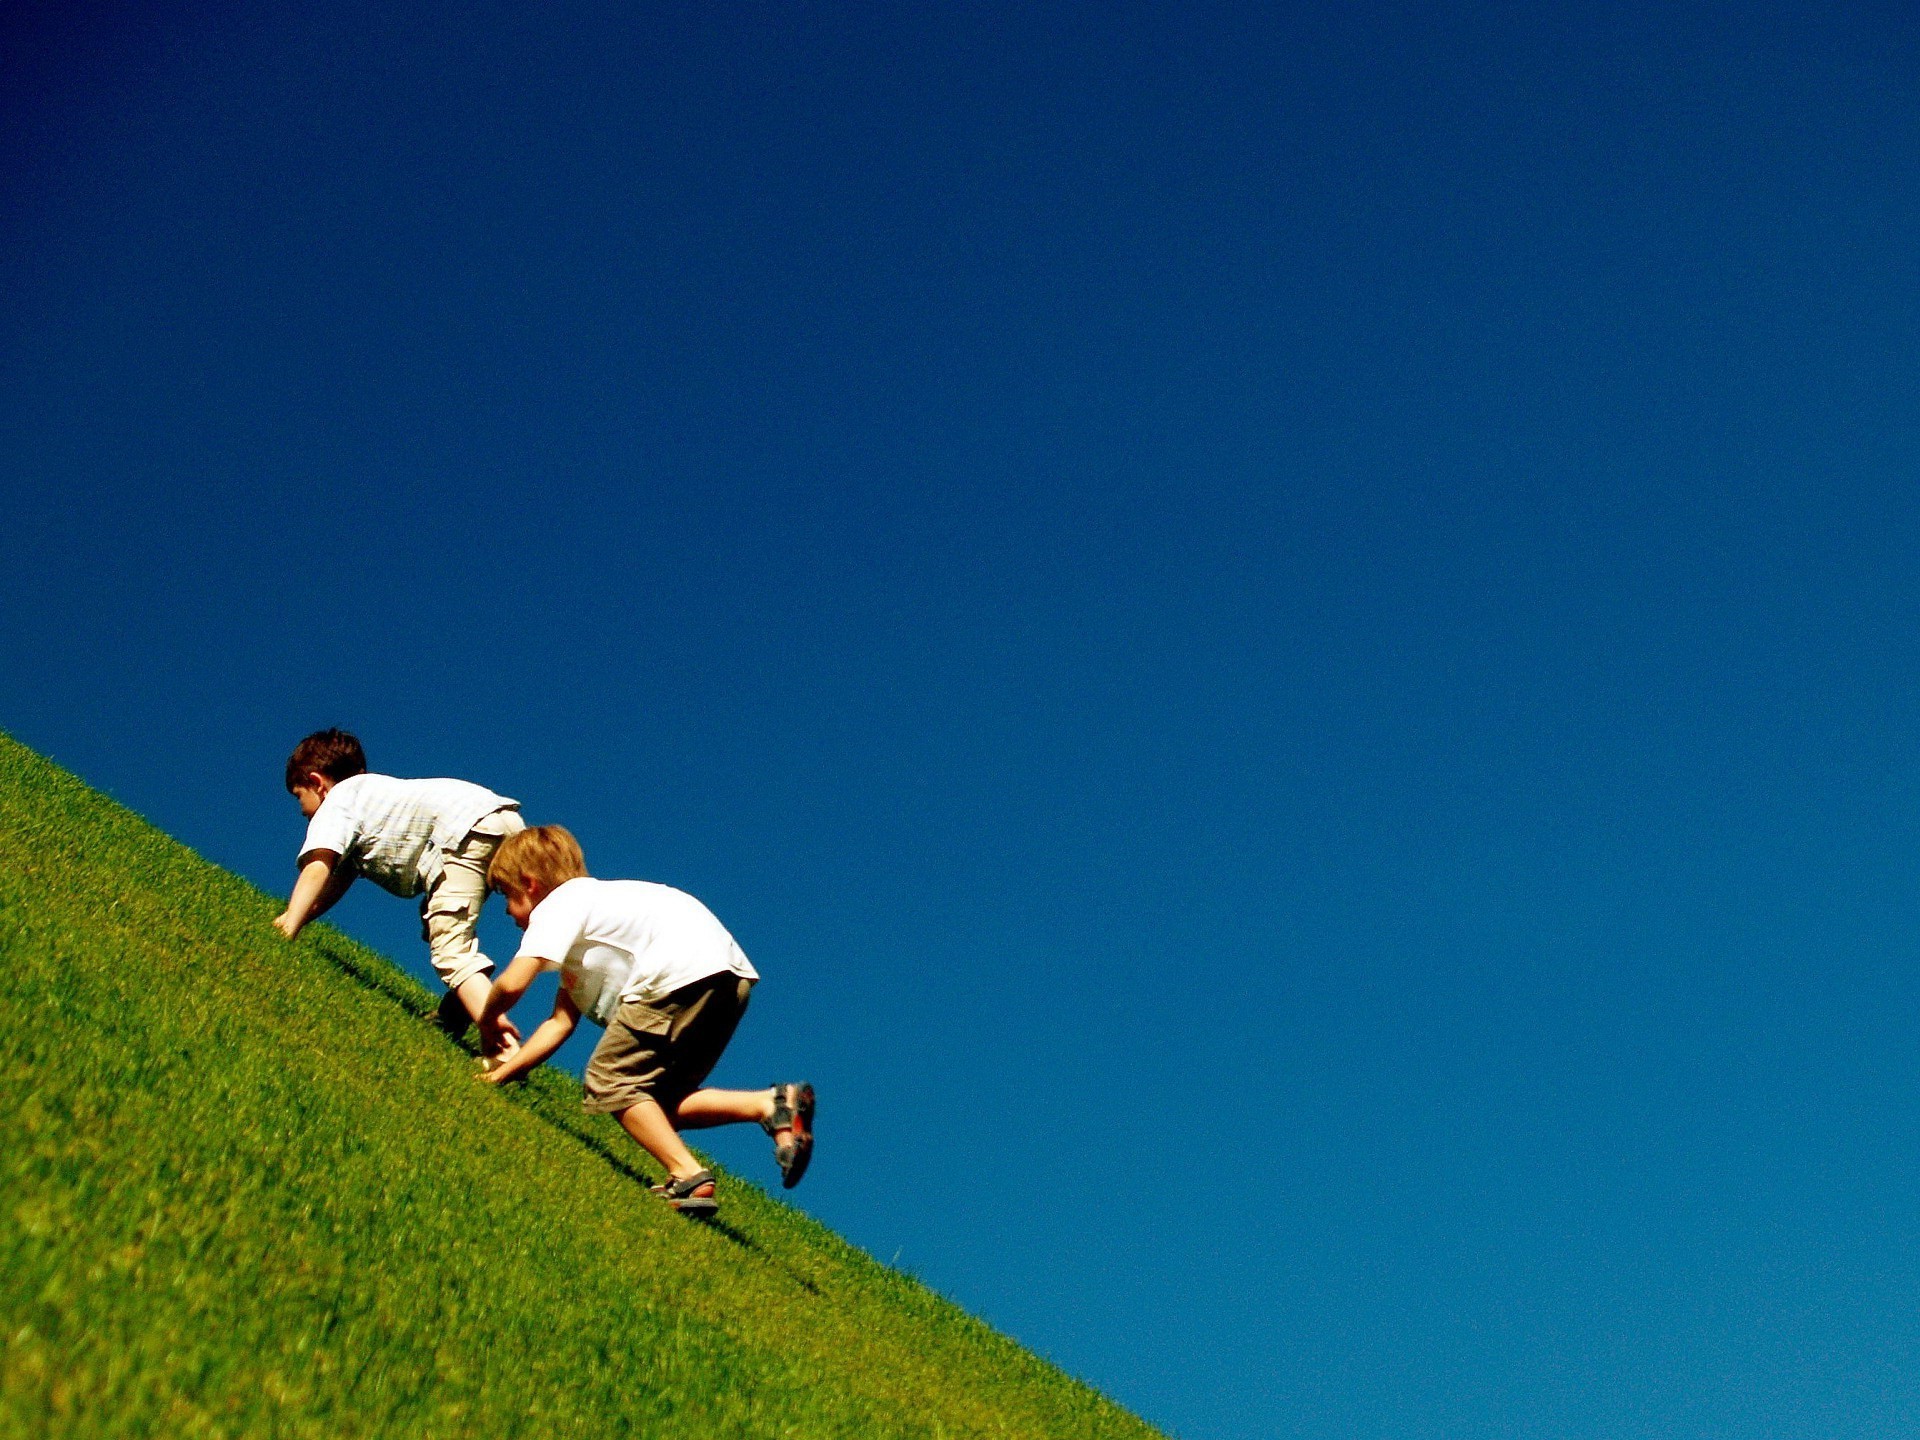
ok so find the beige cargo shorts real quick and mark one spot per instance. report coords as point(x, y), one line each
point(450, 910)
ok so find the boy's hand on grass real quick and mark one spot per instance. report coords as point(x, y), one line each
point(499, 1046)
point(494, 1071)
point(499, 1036)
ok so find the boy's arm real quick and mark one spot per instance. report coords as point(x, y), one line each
point(338, 883)
point(323, 880)
point(550, 1035)
point(505, 992)
point(508, 986)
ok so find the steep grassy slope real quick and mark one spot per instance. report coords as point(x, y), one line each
point(248, 1190)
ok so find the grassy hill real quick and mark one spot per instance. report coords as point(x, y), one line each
point(249, 1190)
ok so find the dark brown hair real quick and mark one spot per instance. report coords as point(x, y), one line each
point(332, 753)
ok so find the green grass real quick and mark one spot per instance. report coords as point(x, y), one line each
point(248, 1189)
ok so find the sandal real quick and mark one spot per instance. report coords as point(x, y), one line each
point(691, 1196)
point(792, 1112)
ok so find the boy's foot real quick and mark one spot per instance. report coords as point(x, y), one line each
point(793, 1113)
point(691, 1196)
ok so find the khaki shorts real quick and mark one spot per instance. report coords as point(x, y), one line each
point(450, 910)
point(661, 1050)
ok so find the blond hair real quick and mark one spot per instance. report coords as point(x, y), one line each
point(545, 853)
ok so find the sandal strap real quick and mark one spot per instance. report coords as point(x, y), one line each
point(680, 1189)
point(782, 1116)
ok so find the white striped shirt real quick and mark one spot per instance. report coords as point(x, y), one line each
point(394, 832)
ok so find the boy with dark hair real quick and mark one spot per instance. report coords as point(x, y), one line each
point(664, 977)
point(431, 838)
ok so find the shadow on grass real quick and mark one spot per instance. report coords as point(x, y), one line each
point(379, 977)
point(536, 1103)
point(382, 980)
point(447, 1015)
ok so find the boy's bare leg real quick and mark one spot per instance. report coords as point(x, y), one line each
point(792, 1140)
point(647, 1123)
point(704, 1109)
point(469, 997)
point(473, 995)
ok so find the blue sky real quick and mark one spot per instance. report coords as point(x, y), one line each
point(1288, 635)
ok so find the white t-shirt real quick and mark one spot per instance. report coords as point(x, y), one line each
point(619, 940)
point(394, 832)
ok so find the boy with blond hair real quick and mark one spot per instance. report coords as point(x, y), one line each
point(431, 838)
point(652, 965)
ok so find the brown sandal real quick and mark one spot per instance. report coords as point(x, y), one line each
point(691, 1196)
point(792, 1112)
